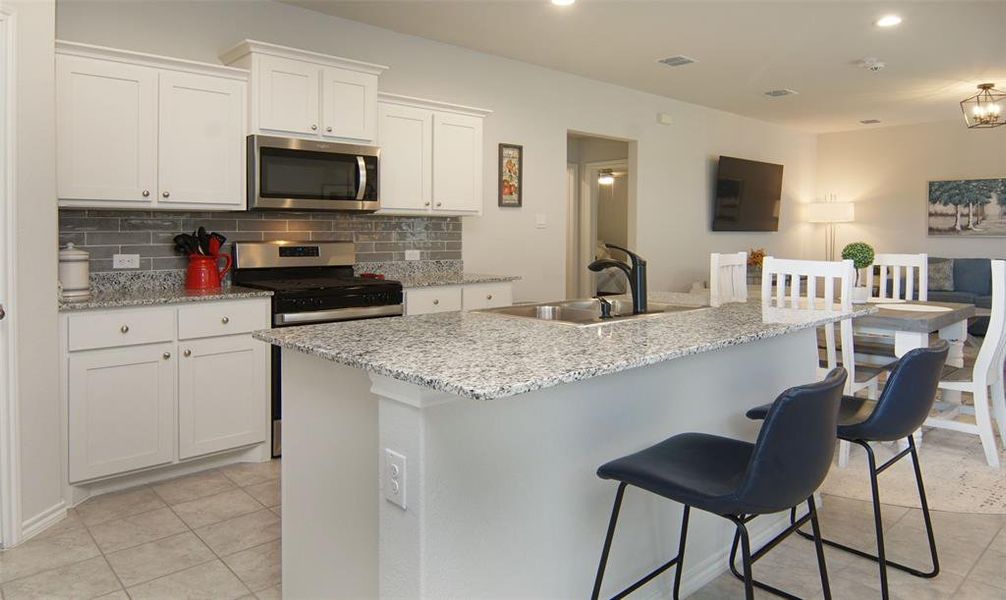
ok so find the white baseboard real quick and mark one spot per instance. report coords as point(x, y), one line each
point(42, 521)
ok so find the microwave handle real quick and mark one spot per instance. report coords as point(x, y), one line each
point(362, 189)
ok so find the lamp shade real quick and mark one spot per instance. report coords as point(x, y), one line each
point(831, 212)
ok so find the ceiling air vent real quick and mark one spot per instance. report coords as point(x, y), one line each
point(781, 93)
point(677, 61)
point(870, 121)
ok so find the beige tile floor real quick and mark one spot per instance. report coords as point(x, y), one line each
point(216, 535)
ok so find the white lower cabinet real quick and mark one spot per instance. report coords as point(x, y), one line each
point(153, 386)
point(121, 409)
point(447, 298)
point(221, 394)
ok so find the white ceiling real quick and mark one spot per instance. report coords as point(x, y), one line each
point(934, 59)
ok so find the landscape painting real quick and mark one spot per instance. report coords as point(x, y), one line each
point(968, 207)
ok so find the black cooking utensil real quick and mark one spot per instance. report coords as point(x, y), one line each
point(186, 244)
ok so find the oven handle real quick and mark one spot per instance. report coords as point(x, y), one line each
point(337, 314)
point(362, 164)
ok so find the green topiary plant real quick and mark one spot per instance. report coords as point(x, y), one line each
point(861, 254)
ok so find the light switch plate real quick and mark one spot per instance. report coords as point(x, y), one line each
point(125, 261)
point(394, 477)
point(412, 255)
point(540, 221)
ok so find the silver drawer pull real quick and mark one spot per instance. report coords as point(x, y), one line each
point(225, 320)
point(146, 193)
point(165, 194)
point(187, 353)
point(167, 355)
point(436, 301)
point(124, 329)
point(489, 296)
point(328, 129)
point(314, 127)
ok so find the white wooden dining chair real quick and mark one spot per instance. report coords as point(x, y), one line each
point(906, 272)
point(728, 278)
point(984, 381)
point(837, 279)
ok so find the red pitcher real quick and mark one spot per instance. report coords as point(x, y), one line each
point(202, 273)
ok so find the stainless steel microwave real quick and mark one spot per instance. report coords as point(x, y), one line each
point(295, 174)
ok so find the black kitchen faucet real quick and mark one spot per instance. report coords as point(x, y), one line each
point(636, 275)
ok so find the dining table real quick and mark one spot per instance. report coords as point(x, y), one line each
point(912, 323)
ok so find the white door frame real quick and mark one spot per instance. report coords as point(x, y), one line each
point(10, 465)
point(572, 229)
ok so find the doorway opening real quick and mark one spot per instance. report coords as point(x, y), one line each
point(599, 191)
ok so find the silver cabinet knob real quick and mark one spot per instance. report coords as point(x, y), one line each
point(426, 203)
point(3, 313)
point(165, 194)
point(187, 353)
point(314, 127)
point(440, 204)
point(489, 296)
point(328, 129)
point(435, 301)
point(146, 193)
point(124, 329)
point(225, 320)
point(167, 355)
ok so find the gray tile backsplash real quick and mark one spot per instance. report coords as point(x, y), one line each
point(378, 239)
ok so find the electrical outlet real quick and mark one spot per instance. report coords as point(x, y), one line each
point(125, 261)
point(412, 255)
point(394, 477)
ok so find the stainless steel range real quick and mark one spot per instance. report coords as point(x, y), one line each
point(312, 282)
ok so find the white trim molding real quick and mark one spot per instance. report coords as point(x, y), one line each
point(67, 48)
point(10, 460)
point(246, 47)
point(433, 105)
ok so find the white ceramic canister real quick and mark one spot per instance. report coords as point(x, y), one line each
point(75, 273)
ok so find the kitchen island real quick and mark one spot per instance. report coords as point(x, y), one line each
point(454, 455)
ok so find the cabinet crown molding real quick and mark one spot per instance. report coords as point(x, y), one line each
point(67, 48)
point(433, 105)
point(246, 47)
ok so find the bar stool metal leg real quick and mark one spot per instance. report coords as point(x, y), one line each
point(819, 546)
point(677, 560)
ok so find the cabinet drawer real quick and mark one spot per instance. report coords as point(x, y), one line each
point(88, 331)
point(222, 318)
point(486, 295)
point(432, 300)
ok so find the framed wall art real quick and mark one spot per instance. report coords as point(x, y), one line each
point(967, 208)
point(511, 175)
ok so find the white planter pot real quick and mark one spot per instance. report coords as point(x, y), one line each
point(860, 295)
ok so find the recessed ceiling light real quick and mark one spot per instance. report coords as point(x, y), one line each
point(889, 21)
point(563, 2)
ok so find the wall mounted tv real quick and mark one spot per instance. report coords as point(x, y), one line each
point(748, 195)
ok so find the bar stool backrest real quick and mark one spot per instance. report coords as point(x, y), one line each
point(795, 447)
point(908, 395)
point(728, 278)
point(890, 266)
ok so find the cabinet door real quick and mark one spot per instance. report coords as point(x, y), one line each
point(106, 131)
point(288, 95)
point(201, 145)
point(121, 409)
point(349, 104)
point(222, 396)
point(406, 136)
point(457, 163)
point(486, 295)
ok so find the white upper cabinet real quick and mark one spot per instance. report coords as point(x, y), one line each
point(308, 94)
point(201, 143)
point(431, 157)
point(406, 157)
point(106, 129)
point(141, 131)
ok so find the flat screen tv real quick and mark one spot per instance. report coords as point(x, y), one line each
point(748, 195)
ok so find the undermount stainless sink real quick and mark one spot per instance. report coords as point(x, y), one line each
point(585, 313)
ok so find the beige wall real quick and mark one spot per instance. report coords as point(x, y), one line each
point(532, 106)
point(885, 172)
point(34, 306)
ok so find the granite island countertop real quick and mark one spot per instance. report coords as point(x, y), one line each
point(486, 356)
point(126, 297)
point(438, 279)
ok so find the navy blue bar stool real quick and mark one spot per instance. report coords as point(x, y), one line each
point(739, 480)
point(903, 406)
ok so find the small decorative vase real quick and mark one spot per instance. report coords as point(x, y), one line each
point(860, 295)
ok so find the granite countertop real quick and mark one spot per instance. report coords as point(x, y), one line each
point(151, 296)
point(486, 356)
point(435, 279)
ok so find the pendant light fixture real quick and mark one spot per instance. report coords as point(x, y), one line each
point(985, 109)
point(606, 177)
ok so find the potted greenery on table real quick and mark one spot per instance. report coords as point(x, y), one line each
point(861, 254)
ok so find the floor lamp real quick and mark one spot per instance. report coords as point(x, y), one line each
point(830, 214)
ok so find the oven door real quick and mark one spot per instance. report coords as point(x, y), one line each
point(295, 174)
